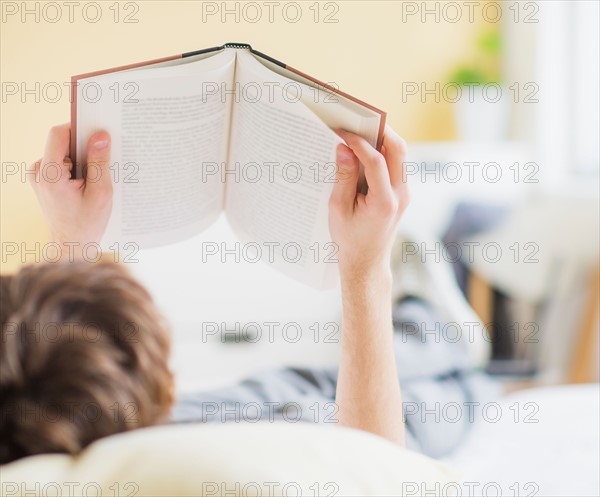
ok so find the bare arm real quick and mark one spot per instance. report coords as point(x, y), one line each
point(364, 227)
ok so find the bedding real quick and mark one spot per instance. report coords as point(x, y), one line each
point(244, 459)
point(537, 442)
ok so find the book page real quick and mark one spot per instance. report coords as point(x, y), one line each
point(334, 109)
point(283, 156)
point(169, 127)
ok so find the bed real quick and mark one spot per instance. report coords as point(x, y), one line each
point(546, 443)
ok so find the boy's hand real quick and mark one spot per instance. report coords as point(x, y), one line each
point(76, 210)
point(364, 226)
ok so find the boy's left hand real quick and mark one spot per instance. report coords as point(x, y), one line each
point(76, 210)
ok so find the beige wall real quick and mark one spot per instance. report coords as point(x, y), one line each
point(368, 53)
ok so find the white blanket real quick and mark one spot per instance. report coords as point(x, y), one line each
point(545, 443)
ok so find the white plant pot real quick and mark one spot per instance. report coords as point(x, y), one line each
point(482, 113)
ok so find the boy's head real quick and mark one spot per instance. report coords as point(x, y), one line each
point(84, 354)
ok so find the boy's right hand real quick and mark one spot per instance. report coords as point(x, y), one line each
point(76, 210)
point(364, 226)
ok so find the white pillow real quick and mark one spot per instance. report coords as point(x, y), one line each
point(268, 459)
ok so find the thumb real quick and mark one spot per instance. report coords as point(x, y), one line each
point(343, 193)
point(97, 173)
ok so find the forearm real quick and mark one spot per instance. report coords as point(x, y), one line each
point(368, 391)
point(71, 251)
point(364, 227)
point(73, 246)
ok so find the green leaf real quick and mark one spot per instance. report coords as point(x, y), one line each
point(464, 75)
point(491, 42)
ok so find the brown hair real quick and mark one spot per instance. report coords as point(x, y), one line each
point(83, 355)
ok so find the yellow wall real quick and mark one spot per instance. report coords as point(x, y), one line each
point(368, 53)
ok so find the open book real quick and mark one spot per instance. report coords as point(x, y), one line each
point(226, 129)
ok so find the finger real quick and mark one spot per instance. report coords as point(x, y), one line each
point(74, 183)
point(53, 167)
point(33, 171)
point(97, 177)
point(343, 193)
point(376, 171)
point(77, 183)
point(394, 151)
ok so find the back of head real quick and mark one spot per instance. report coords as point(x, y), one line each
point(84, 354)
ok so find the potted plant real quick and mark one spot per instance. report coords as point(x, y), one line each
point(482, 102)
